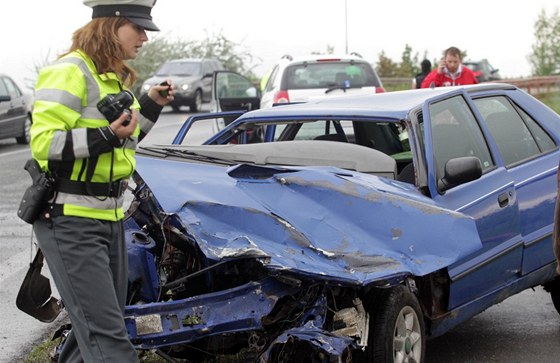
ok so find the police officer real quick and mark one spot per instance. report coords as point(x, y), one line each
point(81, 232)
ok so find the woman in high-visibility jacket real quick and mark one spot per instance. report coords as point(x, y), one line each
point(81, 232)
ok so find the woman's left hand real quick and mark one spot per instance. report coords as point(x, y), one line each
point(162, 94)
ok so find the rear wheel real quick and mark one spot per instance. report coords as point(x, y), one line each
point(553, 287)
point(196, 105)
point(396, 327)
point(25, 137)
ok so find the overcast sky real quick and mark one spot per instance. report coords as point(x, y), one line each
point(502, 31)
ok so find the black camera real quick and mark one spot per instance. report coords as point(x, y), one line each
point(113, 105)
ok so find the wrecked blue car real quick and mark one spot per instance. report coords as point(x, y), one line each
point(342, 229)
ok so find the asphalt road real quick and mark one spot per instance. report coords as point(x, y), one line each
point(523, 329)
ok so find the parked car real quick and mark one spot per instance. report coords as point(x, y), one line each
point(192, 78)
point(15, 111)
point(298, 79)
point(483, 70)
point(357, 228)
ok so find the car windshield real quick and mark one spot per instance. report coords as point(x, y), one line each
point(329, 74)
point(472, 66)
point(187, 68)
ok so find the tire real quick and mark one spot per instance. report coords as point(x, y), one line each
point(553, 287)
point(196, 105)
point(25, 137)
point(396, 332)
point(176, 108)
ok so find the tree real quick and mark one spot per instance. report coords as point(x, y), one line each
point(545, 59)
point(407, 66)
point(160, 49)
point(385, 67)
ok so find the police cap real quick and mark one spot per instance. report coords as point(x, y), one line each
point(136, 11)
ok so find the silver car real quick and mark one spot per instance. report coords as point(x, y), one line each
point(15, 111)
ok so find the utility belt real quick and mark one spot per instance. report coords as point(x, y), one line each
point(114, 189)
point(35, 198)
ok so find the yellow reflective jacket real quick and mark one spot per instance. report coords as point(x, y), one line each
point(71, 139)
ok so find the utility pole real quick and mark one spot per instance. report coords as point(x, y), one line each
point(346, 23)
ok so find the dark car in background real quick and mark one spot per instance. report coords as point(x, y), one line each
point(192, 78)
point(15, 111)
point(483, 70)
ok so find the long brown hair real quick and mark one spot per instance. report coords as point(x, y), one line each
point(98, 39)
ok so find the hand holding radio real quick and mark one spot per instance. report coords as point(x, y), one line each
point(162, 93)
point(442, 66)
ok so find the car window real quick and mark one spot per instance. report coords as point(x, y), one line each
point(270, 84)
point(206, 68)
point(186, 68)
point(544, 141)
point(322, 130)
point(233, 85)
point(329, 74)
point(3, 89)
point(456, 133)
point(514, 139)
point(13, 90)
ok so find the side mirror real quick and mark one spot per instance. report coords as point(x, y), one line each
point(459, 171)
point(5, 98)
point(208, 75)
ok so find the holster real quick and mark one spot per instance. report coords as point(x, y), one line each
point(34, 296)
point(36, 196)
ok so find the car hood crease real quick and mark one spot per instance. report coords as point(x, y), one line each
point(355, 229)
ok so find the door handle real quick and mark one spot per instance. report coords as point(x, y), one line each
point(503, 200)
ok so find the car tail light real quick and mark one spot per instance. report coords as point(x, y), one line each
point(281, 97)
point(329, 60)
point(379, 90)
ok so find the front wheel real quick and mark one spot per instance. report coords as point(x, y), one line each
point(396, 332)
point(25, 136)
point(196, 105)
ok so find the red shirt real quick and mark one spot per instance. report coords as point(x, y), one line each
point(463, 76)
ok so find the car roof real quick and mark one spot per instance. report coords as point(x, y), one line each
point(320, 57)
point(391, 105)
point(189, 60)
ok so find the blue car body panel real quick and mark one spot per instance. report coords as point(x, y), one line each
point(322, 225)
point(327, 224)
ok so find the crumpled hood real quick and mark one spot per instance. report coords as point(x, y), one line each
point(325, 223)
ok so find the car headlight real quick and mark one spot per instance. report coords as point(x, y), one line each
point(185, 86)
point(145, 87)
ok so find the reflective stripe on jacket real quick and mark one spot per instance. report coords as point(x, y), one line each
point(67, 133)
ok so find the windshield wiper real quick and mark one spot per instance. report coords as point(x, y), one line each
point(335, 88)
point(187, 154)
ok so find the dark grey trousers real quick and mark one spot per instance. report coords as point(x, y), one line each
point(88, 262)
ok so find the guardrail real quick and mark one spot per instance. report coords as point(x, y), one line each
point(536, 86)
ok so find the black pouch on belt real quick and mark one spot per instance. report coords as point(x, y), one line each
point(36, 196)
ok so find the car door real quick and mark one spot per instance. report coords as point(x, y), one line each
point(204, 128)
point(232, 92)
point(453, 132)
point(12, 108)
point(525, 151)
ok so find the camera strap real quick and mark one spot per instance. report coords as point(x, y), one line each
point(91, 165)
